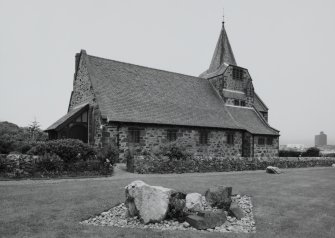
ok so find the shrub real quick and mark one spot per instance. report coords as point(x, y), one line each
point(312, 152)
point(289, 153)
point(50, 163)
point(70, 150)
point(173, 150)
point(109, 153)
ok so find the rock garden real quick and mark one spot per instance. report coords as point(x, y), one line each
point(156, 207)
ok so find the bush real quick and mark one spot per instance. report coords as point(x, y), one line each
point(289, 153)
point(109, 153)
point(50, 163)
point(173, 150)
point(69, 150)
point(312, 152)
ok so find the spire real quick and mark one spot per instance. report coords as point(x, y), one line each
point(222, 57)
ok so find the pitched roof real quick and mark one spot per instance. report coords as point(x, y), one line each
point(223, 56)
point(132, 93)
point(251, 121)
point(69, 116)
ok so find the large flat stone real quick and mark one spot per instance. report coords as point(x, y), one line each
point(236, 211)
point(273, 170)
point(206, 220)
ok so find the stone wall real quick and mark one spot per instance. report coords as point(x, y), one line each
point(152, 136)
point(82, 88)
point(266, 151)
point(149, 164)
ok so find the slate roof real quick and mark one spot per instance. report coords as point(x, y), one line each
point(70, 115)
point(223, 57)
point(132, 93)
point(251, 121)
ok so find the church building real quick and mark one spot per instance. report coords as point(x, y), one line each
point(136, 107)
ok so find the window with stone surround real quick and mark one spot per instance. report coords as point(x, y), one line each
point(230, 138)
point(269, 141)
point(171, 135)
point(237, 73)
point(134, 135)
point(261, 141)
point(203, 137)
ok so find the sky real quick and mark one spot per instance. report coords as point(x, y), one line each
point(287, 46)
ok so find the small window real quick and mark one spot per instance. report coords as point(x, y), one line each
point(230, 138)
point(261, 141)
point(269, 141)
point(203, 137)
point(242, 103)
point(236, 102)
point(237, 73)
point(172, 135)
point(134, 135)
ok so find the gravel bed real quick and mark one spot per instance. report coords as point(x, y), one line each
point(117, 216)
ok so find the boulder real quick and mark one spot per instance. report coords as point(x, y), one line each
point(194, 202)
point(207, 219)
point(150, 203)
point(236, 211)
point(177, 206)
point(333, 165)
point(273, 170)
point(219, 196)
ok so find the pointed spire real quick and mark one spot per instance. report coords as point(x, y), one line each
point(222, 57)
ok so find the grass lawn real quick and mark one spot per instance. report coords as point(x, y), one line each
point(298, 203)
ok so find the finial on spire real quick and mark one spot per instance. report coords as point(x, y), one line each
point(223, 17)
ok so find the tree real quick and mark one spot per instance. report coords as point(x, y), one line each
point(34, 128)
point(312, 152)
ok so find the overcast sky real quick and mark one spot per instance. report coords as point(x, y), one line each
point(288, 47)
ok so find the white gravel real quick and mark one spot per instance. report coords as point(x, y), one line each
point(117, 216)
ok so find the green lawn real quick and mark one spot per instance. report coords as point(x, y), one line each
point(298, 203)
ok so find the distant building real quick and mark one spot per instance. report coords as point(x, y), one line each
point(321, 139)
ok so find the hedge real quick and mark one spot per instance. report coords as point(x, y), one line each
point(146, 164)
point(50, 165)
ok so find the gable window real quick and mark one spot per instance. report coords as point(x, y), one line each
point(230, 138)
point(171, 135)
point(239, 102)
point(261, 141)
point(134, 135)
point(269, 141)
point(237, 73)
point(203, 137)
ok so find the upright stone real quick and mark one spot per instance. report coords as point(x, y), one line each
point(150, 203)
point(219, 196)
point(194, 202)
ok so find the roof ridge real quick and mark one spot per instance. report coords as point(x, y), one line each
point(147, 67)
